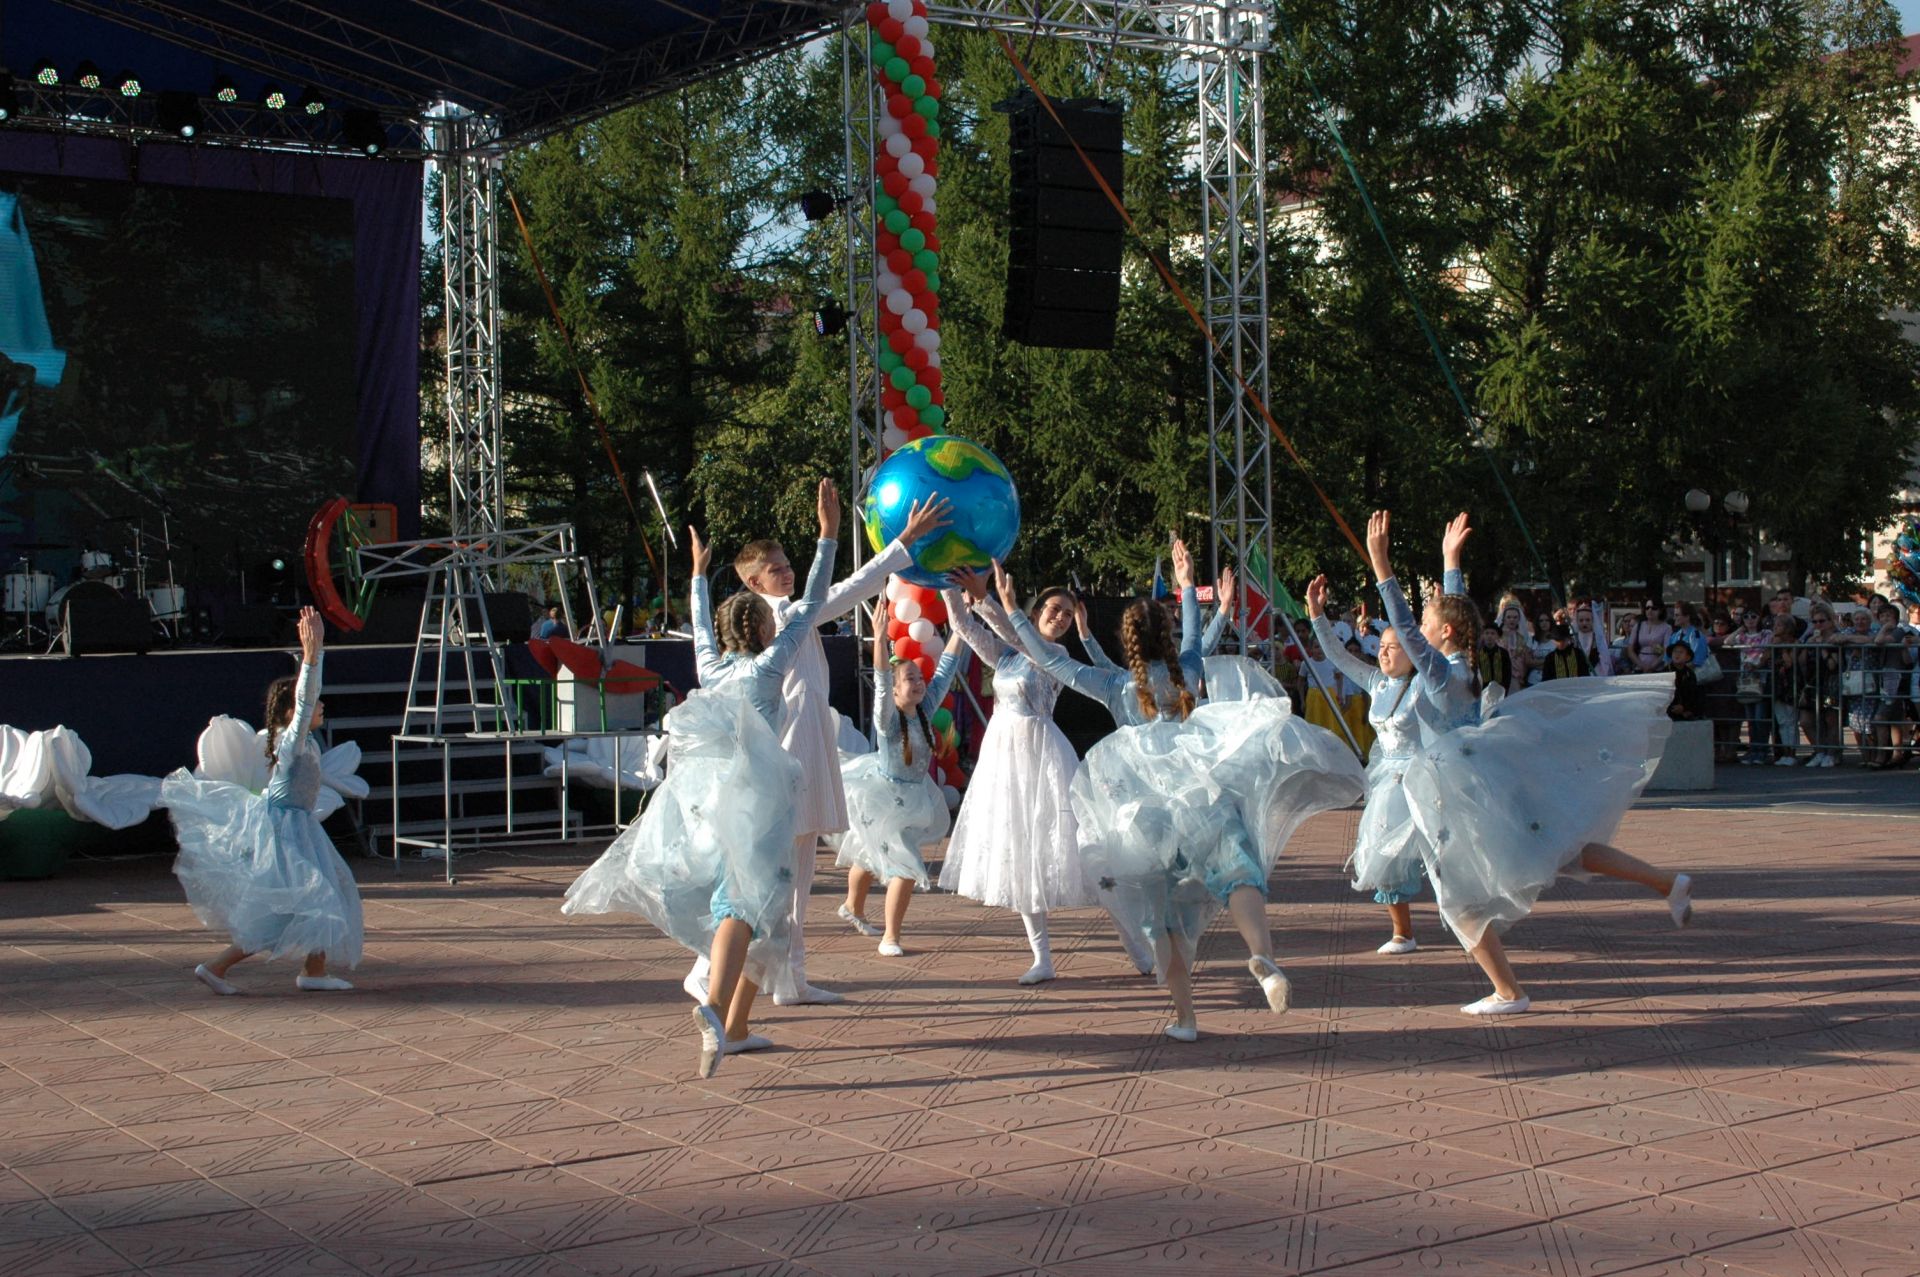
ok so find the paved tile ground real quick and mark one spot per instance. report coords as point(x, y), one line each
point(509, 1090)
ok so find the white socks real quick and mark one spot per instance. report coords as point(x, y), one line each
point(1042, 968)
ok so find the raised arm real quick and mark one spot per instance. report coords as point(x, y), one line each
point(1453, 580)
point(306, 688)
point(1096, 684)
point(886, 715)
point(1346, 662)
point(1432, 664)
point(871, 577)
point(1096, 655)
point(989, 648)
point(706, 651)
point(953, 663)
point(785, 648)
point(1216, 630)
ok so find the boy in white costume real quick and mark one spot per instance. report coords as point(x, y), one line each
point(808, 733)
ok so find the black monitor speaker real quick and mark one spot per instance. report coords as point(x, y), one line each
point(94, 622)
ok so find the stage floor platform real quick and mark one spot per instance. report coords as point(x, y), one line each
point(510, 1092)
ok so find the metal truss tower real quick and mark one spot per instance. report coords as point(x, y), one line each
point(1219, 45)
point(470, 248)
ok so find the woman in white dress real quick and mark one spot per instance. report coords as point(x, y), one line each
point(259, 866)
point(710, 861)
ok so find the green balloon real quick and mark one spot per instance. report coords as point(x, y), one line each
point(899, 223)
point(914, 87)
point(889, 360)
point(929, 107)
point(884, 203)
point(918, 396)
point(897, 68)
point(913, 239)
point(933, 278)
point(942, 719)
point(883, 52)
point(925, 258)
point(933, 414)
point(933, 129)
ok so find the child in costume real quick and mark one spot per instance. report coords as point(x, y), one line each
point(710, 861)
point(1501, 808)
point(259, 866)
point(894, 808)
point(1185, 808)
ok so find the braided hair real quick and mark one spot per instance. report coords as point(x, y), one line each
point(1146, 635)
point(279, 712)
point(920, 709)
point(738, 622)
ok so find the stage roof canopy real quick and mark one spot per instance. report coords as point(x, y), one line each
point(536, 65)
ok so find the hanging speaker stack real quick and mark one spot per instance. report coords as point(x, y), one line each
point(1063, 260)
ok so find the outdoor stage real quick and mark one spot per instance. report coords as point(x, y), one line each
point(508, 1092)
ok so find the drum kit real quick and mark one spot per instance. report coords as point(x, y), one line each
point(38, 609)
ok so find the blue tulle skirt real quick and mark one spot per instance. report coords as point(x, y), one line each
point(1507, 806)
point(889, 820)
point(1174, 817)
point(716, 839)
point(265, 874)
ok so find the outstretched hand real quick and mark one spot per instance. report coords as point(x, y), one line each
point(1223, 589)
point(1454, 540)
point(313, 635)
point(925, 517)
point(1080, 617)
point(1317, 596)
point(1379, 538)
point(971, 582)
point(1182, 565)
point(702, 552)
point(829, 510)
point(1009, 596)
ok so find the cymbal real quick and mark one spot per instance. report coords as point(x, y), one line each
point(43, 545)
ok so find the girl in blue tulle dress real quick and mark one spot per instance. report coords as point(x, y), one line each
point(894, 808)
point(259, 866)
point(1186, 807)
point(710, 861)
point(1494, 807)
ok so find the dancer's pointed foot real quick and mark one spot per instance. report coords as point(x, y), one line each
point(1182, 1032)
point(1273, 981)
point(751, 1042)
point(891, 949)
point(858, 923)
point(1680, 900)
point(695, 984)
point(807, 995)
point(712, 1034)
point(1039, 973)
point(1399, 944)
point(215, 983)
point(1494, 1004)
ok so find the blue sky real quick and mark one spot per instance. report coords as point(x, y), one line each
point(1909, 15)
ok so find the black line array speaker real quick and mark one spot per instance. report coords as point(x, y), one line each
point(1063, 258)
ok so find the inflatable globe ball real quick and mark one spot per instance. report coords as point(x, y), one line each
point(986, 508)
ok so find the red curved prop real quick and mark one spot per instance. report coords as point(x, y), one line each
point(317, 555)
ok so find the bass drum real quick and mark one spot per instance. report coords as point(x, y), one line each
point(79, 589)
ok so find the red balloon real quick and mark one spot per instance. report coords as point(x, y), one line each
point(914, 125)
point(900, 106)
point(919, 8)
point(939, 396)
point(894, 399)
point(896, 629)
point(888, 320)
point(923, 222)
point(914, 281)
point(928, 303)
point(920, 66)
point(876, 14)
point(894, 183)
point(933, 243)
point(930, 378)
point(913, 205)
point(933, 165)
point(933, 321)
point(901, 340)
point(906, 649)
point(908, 47)
point(926, 665)
point(899, 259)
point(916, 358)
point(891, 30)
point(926, 147)
point(885, 162)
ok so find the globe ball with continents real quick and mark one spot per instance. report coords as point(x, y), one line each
point(986, 509)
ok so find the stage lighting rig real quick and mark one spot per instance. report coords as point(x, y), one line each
point(829, 319)
point(273, 97)
point(363, 132)
point(817, 206)
point(88, 76)
point(180, 113)
point(46, 74)
point(127, 84)
point(312, 102)
point(225, 91)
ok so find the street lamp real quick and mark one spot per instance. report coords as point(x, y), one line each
point(1699, 503)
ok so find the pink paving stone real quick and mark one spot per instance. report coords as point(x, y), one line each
point(510, 1091)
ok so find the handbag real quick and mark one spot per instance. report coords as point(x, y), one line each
point(1853, 683)
point(1708, 671)
point(1748, 688)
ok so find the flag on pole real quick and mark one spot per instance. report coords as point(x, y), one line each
point(1158, 589)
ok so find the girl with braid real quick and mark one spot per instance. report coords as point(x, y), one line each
point(1186, 807)
point(710, 861)
point(1494, 808)
point(894, 808)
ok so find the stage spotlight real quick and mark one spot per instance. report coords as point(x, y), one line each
point(9, 98)
point(127, 84)
point(180, 113)
point(273, 97)
point(362, 131)
point(817, 206)
point(311, 102)
point(88, 76)
point(225, 90)
point(46, 74)
point(829, 319)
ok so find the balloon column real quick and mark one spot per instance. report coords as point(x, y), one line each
point(1905, 571)
point(906, 169)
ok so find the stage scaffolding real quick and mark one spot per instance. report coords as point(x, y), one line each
point(1220, 45)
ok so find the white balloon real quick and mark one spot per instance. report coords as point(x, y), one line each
point(906, 610)
point(900, 10)
point(927, 205)
point(888, 281)
point(899, 144)
point(922, 184)
point(914, 321)
point(890, 126)
point(916, 26)
point(933, 356)
point(899, 301)
point(928, 340)
point(924, 632)
point(912, 165)
point(893, 437)
point(895, 588)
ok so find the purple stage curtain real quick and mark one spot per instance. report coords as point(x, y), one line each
point(386, 267)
